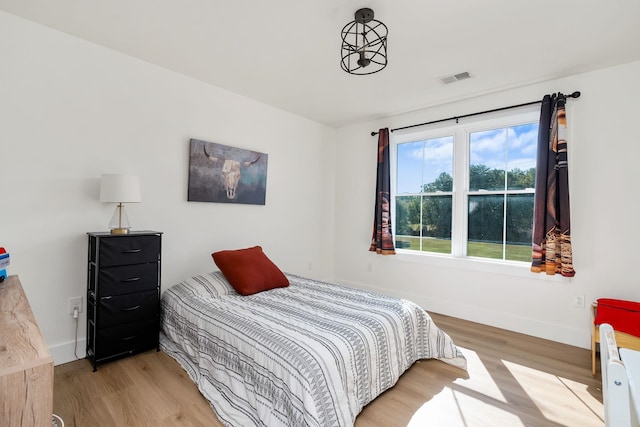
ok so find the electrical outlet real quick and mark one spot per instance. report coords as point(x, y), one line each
point(578, 301)
point(75, 302)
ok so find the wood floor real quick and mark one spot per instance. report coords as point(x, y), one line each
point(512, 380)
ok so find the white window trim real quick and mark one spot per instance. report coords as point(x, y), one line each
point(458, 258)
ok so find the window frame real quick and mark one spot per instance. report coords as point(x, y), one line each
point(460, 193)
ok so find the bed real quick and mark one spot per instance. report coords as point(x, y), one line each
point(308, 354)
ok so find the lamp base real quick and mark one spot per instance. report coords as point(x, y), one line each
point(119, 223)
point(119, 231)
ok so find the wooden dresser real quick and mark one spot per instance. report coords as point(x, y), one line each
point(26, 366)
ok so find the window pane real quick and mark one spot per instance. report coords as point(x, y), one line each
point(438, 165)
point(519, 226)
point(485, 221)
point(495, 151)
point(436, 223)
point(407, 222)
point(409, 170)
point(521, 164)
point(425, 166)
point(487, 157)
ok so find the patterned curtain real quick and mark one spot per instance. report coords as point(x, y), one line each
point(382, 238)
point(551, 220)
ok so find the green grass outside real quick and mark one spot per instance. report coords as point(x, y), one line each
point(478, 249)
point(441, 246)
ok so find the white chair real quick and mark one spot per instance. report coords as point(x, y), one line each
point(615, 383)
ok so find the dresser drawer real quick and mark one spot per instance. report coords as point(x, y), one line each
point(115, 310)
point(127, 279)
point(127, 338)
point(127, 250)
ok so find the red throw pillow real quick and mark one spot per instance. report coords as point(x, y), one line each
point(249, 270)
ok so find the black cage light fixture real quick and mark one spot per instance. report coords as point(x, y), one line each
point(364, 44)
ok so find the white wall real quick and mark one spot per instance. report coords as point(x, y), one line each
point(71, 110)
point(604, 156)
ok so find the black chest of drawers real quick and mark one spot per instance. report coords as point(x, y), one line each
point(123, 294)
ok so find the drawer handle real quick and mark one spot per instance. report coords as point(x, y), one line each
point(133, 337)
point(132, 251)
point(131, 279)
point(132, 308)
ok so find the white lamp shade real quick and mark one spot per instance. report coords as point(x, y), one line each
point(118, 188)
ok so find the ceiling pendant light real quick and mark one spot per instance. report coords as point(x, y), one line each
point(364, 44)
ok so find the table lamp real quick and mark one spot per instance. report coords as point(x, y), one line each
point(118, 188)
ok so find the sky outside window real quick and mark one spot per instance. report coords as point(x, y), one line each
point(505, 148)
point(421, 162)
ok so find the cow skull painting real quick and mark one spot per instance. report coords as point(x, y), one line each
point(231, 172)
point(224, 174)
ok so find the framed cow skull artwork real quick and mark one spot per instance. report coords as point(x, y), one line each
point(223, 174)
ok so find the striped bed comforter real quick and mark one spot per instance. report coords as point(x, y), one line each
point(310, 354)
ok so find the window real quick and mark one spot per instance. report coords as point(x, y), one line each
point(467, 190)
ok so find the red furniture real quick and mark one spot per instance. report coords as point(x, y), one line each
point(623, 316)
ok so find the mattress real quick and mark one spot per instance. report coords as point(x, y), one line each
point(310, 354)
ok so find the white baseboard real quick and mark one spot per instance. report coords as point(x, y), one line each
point(66, 352)
point(554, 332)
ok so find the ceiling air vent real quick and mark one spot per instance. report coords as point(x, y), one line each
point(454, 77)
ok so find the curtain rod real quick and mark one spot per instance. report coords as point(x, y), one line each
point(575, 94)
